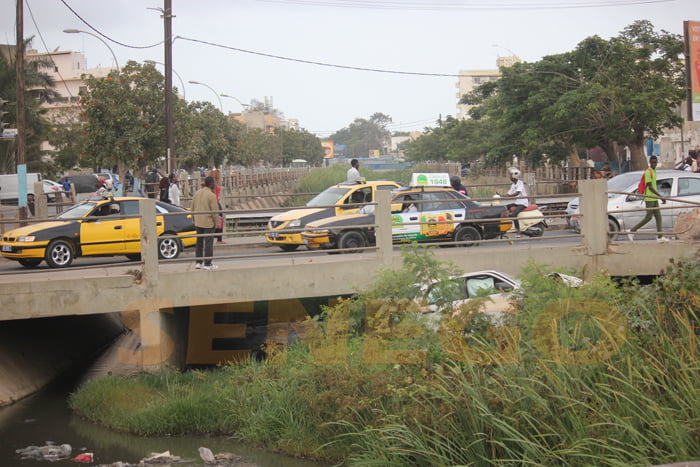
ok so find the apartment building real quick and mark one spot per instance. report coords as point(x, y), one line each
point(471, 79)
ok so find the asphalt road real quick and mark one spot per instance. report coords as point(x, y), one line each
point(245, 248)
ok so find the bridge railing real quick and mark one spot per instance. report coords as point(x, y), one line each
point(594, 232)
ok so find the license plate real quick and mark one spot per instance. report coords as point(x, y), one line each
point(7, 248)
point(274, 235)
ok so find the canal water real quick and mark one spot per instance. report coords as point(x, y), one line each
point(46, 417)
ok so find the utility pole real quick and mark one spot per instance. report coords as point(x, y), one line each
point(168, 26)
point(21, 126)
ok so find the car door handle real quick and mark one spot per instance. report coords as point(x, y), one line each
point(159, 223)
point(413, 218)
point(118, 227)
point(459, 215)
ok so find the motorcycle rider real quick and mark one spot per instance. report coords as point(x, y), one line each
point(517, 189)
point(456, 183)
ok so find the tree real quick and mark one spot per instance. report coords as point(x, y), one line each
point(123, 120)
point(604, 93)
point(362, 135)
point(38, 89)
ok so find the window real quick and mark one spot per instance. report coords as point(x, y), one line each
point(688, 186)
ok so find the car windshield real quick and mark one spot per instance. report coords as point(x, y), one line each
point(623, 181)
point(328, 197)
point(78, 211)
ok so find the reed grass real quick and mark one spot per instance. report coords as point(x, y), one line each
point(602, 396)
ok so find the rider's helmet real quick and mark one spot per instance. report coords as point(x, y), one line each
point(514, 173)
point(455, 181)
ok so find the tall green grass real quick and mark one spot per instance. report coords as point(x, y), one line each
point(596, 375)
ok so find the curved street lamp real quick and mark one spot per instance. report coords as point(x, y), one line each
point(221, 105)
point(153, 63)
point(77, 31)
point(245, 106)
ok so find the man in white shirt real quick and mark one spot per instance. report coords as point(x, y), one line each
point(517, 189)
point(353, 172)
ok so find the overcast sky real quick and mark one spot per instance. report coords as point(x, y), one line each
point(426, 37)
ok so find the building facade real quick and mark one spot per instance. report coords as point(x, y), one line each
point(471, 79)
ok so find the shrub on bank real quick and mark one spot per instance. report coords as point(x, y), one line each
point(595, 375)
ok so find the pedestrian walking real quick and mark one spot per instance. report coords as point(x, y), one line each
point(206, 216)
point(174, 190)
point(152, 179)
point(651, 201)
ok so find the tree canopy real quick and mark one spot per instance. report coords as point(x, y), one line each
point(604, 93)
point(364, 135)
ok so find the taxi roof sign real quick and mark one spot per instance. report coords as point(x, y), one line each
point(430, 179)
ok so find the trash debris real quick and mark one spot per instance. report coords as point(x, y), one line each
point(161, 458)
point(85, 457)
point(49, 452)
point(220, 460)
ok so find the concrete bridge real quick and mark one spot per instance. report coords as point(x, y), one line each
point(184, 316)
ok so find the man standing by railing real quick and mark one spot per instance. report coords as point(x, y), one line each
point(205, 207)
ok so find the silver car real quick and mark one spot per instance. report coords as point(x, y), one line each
point(677, 185)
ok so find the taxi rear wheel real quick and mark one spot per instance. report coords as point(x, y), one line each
point(59, 254)
point(29, 262)
point(168, 248)
point(467, 233)
point(351, 241)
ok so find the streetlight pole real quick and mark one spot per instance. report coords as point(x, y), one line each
point(77, 31)
point(221, 105)
point(244, 106)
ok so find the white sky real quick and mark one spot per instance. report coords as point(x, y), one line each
point(422, 36)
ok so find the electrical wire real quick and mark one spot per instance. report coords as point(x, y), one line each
point(46, 48)
point(107, 37)
point(461, 5)
point(311, 62)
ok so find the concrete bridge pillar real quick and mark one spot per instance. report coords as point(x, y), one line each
point(594, 217)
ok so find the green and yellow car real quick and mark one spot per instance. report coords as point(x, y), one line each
point(98, 227)
point(426, 211)
point(284, 230)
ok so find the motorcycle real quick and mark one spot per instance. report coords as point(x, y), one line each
point(531, 221)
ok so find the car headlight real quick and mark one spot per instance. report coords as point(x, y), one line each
point(295, 223)
point(26, 238)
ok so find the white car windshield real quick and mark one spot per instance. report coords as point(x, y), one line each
point(328, 197)
point(623, 181)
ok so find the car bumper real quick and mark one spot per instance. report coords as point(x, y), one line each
point(281, 238)
point(317, 240)
point(17, 250)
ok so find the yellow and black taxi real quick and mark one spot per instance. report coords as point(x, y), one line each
point(106, 226)
point(284, 230)
point(428, 210)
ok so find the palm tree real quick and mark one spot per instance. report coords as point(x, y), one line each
point(38, 89)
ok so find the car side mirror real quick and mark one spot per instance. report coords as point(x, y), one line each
point(396, 207)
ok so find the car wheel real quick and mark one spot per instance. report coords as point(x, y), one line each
point(29, 262)
point(289, 247)
point(613, 228)
point(168, 248)
point(467, 233)
point(134, 256)
point(59, 254)
point(351, 241)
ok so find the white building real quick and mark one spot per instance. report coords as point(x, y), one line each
point(471, 79)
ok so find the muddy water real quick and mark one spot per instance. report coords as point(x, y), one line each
point(46, 417)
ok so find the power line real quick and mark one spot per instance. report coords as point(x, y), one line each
point(107, 37)
point(462, 5)
point(46, 48)
point(311, 62)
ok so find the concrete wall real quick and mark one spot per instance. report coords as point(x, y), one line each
point(35, 351)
